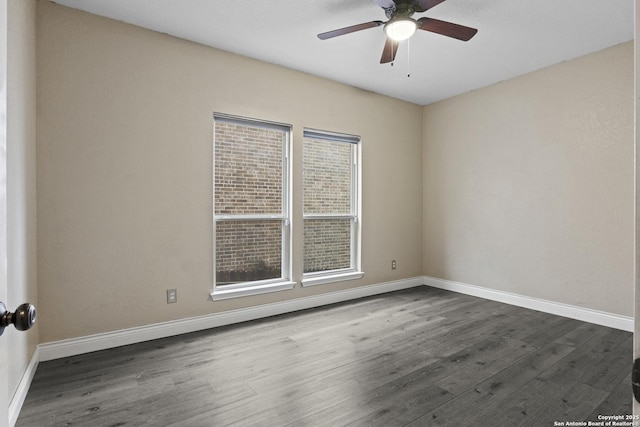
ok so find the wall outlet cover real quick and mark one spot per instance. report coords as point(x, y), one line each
point(172, 296)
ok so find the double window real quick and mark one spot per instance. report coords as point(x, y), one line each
point(252, 209)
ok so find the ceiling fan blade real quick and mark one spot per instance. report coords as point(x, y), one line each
point(389, 51)
point(424, 5)
point(347, 30)
point(448, 29)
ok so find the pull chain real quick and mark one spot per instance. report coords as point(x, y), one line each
point(408, 58)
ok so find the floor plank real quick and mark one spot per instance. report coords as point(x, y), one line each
point(418, 357)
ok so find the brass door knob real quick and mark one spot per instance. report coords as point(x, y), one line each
point(23, 318)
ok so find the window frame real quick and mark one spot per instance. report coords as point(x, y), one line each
point(355, 215)
point(255, 287)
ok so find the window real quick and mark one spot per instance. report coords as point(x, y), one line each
point(251, 207)
point(331, 207)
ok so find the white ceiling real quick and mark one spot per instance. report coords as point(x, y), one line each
point(514, 37)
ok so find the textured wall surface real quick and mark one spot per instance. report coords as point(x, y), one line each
point(125, 170)
point(528, 184)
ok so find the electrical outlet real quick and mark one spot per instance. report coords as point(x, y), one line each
point(172, 296)
point(393, 264)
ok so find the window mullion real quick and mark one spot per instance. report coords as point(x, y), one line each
point(249, 217)
point(328, 216)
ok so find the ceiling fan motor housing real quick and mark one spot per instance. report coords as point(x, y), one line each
point(402, 9)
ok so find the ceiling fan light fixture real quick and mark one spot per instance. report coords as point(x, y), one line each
point(400, 29)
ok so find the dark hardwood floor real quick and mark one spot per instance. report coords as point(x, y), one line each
point(419, 357)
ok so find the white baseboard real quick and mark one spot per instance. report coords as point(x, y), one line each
point(75, 346)
point(15, 405)
point(616, 321)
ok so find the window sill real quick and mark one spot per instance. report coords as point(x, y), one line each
point(338, 277)
point(248, 290)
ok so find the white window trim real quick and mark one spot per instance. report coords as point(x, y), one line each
point(261, 286)
point(355, 272)
point(331, 276)
point(251, 288)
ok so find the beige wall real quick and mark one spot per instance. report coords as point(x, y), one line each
point(21, 180)
point(124, 170)
point(528, 184)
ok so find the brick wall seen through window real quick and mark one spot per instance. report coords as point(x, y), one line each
point(327, 169)
point(248, 181)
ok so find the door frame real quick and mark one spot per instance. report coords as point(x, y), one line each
point(4, 386)
point(636, 334)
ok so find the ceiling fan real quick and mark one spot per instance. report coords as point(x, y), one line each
point(401, 25)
